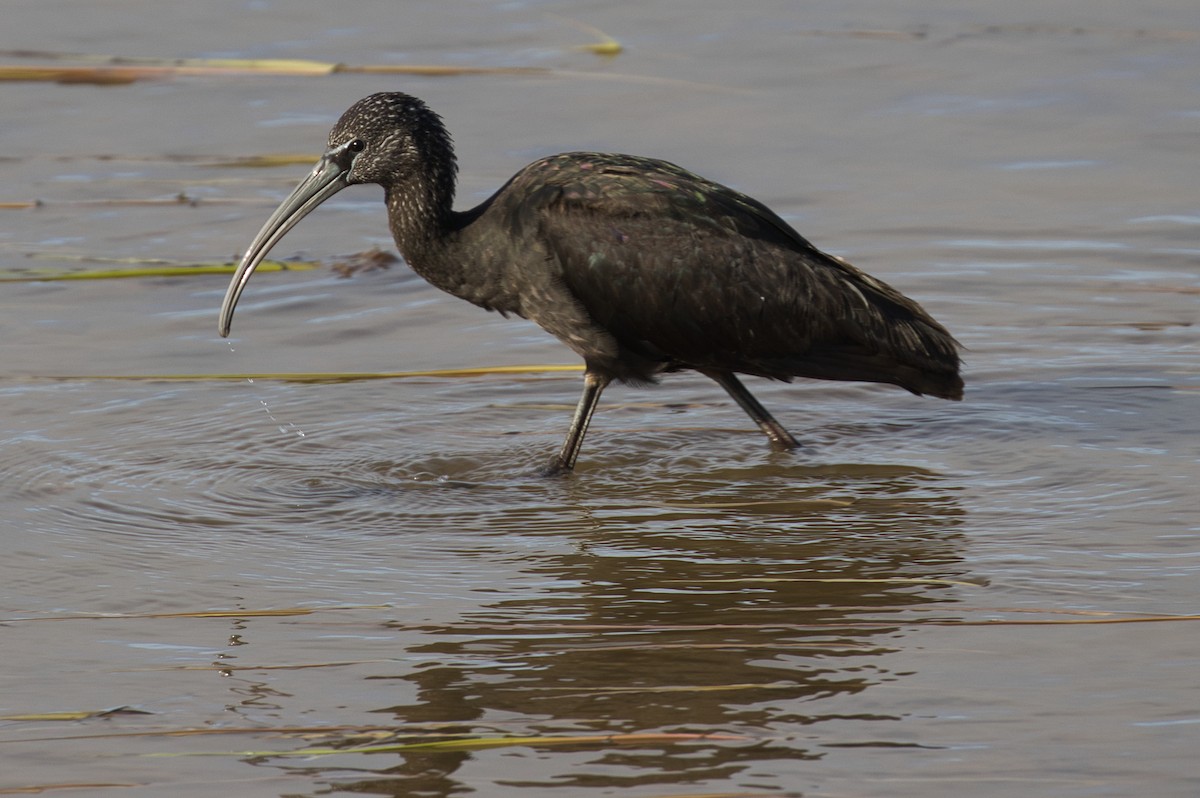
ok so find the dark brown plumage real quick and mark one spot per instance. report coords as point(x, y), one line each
point(639, 266)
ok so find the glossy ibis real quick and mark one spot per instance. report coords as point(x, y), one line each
point(639, 266)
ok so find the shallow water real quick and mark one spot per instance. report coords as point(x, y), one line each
point(986, 598)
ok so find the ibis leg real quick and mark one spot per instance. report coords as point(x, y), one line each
point(593, 385)
point(765, 421)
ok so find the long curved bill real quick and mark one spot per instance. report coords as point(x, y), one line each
point(326, 179)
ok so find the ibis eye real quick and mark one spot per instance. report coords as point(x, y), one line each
point(356, 145)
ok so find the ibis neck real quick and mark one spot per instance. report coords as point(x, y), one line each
point(426, 231)
point(453, 253)
point(419, 212)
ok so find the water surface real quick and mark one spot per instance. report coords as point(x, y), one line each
point(985, 598)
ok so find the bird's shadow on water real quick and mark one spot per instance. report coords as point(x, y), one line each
point(654, 587)
point(635, 594)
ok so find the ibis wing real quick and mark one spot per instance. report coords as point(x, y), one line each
point(689, 272)
point(664, 258)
